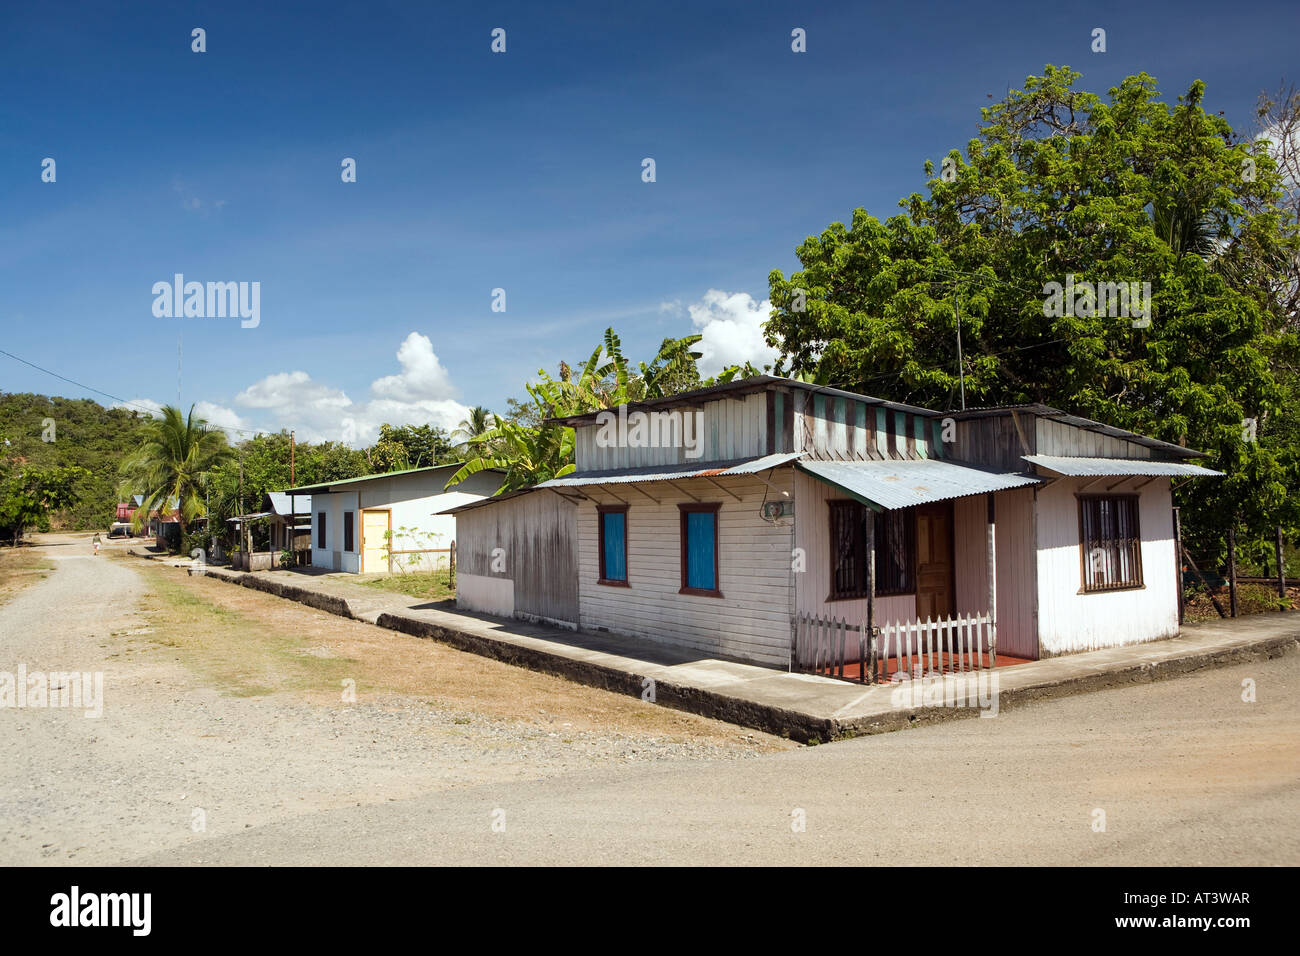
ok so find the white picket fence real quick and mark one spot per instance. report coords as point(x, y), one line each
point(953, 645)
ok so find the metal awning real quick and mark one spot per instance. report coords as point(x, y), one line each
point(887, 485)
point(240, 519)
point(1100, 467)
point(717, 469)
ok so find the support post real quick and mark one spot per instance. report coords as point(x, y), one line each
point(871, 588)
point(1281, 571)
point(1178, 562)
point(993, 579)
point(1232, 570)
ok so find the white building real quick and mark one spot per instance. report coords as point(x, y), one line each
point(816, 528)
point(376, 522)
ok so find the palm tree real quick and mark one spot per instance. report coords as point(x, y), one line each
point(479, 421)
point(171, 465)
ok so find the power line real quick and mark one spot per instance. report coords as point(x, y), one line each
point(100, 391)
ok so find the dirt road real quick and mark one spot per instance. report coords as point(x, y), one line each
point(197, 741)
point(1177, 772)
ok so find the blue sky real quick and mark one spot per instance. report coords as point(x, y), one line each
point(478, 171)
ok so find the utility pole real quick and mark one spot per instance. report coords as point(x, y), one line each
point(961, 366)
point(292, 480)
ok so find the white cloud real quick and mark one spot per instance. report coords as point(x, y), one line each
point(291, 389)
point(421, 393)
point(422, 375)
point(221, 417)
point(731, 324)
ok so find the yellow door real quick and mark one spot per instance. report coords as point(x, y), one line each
point(374, 541)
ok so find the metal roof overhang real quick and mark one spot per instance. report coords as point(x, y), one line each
point(1101, 467)
point(888, 485)
point(717, 469)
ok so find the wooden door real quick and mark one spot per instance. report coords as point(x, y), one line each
point(934, 572)
point(374, 541)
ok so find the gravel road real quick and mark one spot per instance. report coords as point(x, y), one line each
point(1177, 772)
point(172, 763)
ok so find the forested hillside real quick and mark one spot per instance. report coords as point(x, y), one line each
point(42, 431)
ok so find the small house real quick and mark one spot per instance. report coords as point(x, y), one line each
point(389, 522)
point(282, 524)
point(752, 519)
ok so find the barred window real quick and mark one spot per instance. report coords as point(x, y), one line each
point(895, 550)
point(1110, 542)
point(848, 549)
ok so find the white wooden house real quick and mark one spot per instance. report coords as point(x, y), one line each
point(377, 522)
point(805, 505)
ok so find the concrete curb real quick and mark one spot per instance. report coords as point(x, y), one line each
point(797, 725)
point(695, 700)
point(1144, 672)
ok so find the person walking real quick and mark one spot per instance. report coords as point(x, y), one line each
point(96, 542)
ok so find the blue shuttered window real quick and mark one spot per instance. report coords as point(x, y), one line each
point(700, 548)
point(613, 545)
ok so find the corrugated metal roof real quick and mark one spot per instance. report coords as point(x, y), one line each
point(280, 502)
point(491, 500)
point(902, 484)
point(1079, 467)
point(326, 487)
point(713, 469)
point(1078, 421)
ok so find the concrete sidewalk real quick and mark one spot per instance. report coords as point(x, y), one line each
point(801, 706)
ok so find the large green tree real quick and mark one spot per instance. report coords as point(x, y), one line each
point(1063, 186)
point(29, 495)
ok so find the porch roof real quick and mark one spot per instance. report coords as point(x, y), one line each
point(1079, 467)
point(887, 485)
point(715, 469)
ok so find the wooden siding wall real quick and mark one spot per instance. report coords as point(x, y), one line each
point(836, 428)
point(1070, 621)
point(780, 420)
point(732, 428)
point(1016, 569)
point(750, 622)
point(813, 586)
point(1058, 438)
point(994, 442)
point(538, 532)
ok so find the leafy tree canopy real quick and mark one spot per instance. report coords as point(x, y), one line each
point(29, 495)
point(1063, 186)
